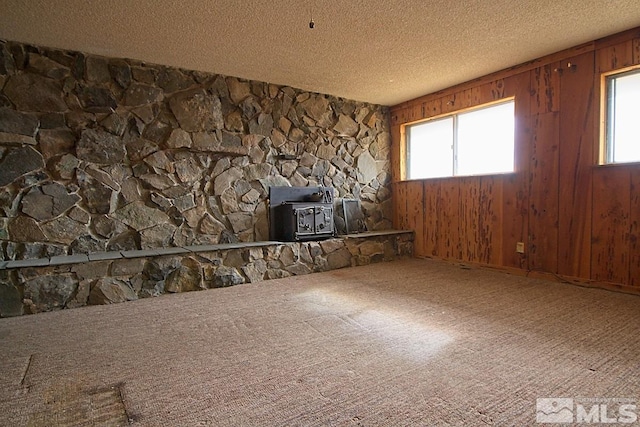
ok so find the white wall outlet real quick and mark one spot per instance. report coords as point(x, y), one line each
point(520, 247)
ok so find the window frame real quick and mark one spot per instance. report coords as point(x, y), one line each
point(605, 154)
point(404, 131)
point(454, 141)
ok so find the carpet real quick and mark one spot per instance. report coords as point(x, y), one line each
point(405, 343)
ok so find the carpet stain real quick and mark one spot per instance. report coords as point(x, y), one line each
point(70, 405)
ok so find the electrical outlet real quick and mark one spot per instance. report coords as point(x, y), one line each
point(520, 247)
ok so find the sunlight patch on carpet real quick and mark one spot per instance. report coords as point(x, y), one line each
point(402, 333)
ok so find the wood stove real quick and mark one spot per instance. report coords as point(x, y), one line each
point(300, 213)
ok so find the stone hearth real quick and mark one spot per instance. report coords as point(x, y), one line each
point(59, 282)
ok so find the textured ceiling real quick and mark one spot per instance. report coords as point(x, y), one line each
point(380, 51)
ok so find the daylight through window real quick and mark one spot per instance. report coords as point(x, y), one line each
point(475, 142)
point(622, 143)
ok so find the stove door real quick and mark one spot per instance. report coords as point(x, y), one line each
point(323, 219)
point(305, 221)
point(313, 221)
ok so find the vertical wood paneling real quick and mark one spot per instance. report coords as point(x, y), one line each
point(634, 234)
point(543, 169)
point(543, 193)
point(399, 116)
point(450, 240)
point(432, 195)
point(484, 94)
point(490, 220)
point(576, 157)
point(495, 90)
point(492, 91)
point(411, 114)
point(471, 97)
point(515, 226)
point(418, 111)
point(614, 57)
point(469, 211)
point(398, 153)
point(545, 87)
point(611, 208)
point(433, 107)
point(400, 220)
point(542, 247)
point(484, 236)
point(415, 215)
point(636, 51)
point(450, 103)
point(515, 188)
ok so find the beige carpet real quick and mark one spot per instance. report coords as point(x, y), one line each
point(413, 342)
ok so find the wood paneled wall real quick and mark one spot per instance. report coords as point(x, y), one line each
point(578, 220)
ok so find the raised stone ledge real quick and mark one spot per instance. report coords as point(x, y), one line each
point(111, 255)
point(375, 234)
point(60, 282)
point(103, 256)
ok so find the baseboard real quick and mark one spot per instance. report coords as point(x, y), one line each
point(577, 281)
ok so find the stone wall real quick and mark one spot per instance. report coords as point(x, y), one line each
point(106, 154)
point(33, 286)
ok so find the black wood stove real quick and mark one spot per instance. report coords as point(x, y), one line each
point(300, 213)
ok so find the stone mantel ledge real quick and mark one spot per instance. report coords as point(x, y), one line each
point(61, 282)
point(375, 233)
point(142, 253)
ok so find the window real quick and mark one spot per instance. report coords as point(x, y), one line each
point(622, 140)
point(475, 142)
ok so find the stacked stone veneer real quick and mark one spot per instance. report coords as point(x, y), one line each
point(112, 155)
point(100, 154)
point(33, 286)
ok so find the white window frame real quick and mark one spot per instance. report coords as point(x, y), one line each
point(454, 142)
point(607, 149)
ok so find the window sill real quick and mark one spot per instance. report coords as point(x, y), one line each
point(488, 175)
point(619, 165)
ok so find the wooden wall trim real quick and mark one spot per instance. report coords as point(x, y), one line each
point(524, 67)
point(617, 38)
point(498, 75)
point(560, 278)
